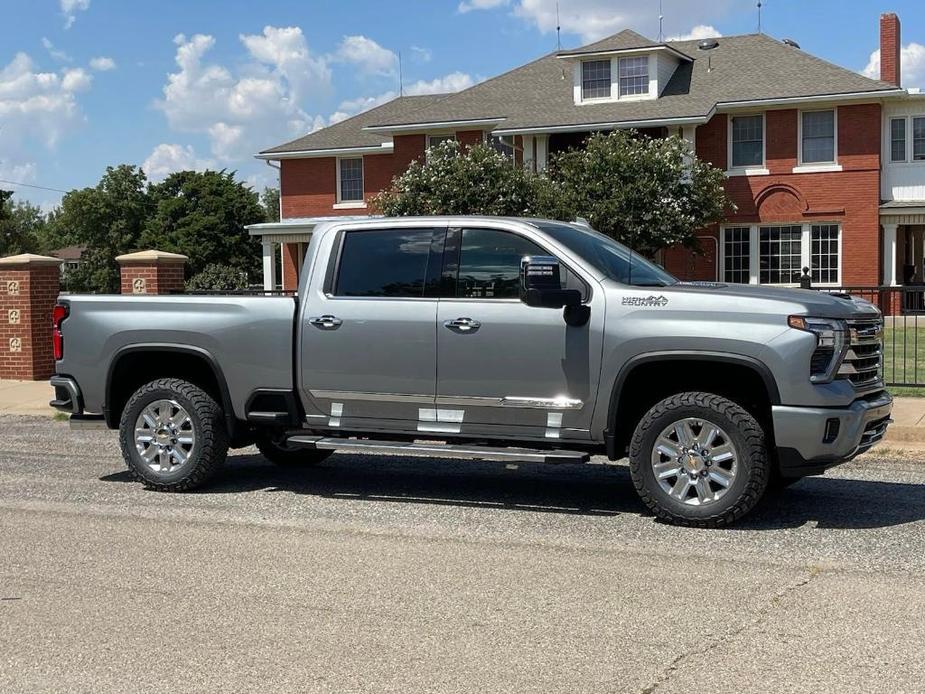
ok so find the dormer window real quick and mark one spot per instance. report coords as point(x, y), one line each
point(634, 75)
point(595, 79)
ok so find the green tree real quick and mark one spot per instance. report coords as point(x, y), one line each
point(203, 215)
point(108, 219)
point(17, 225)
point(477, 181)
point(218, 278)
point(648, 193)
point(270, 201)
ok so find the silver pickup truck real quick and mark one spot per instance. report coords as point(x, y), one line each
point(515, 340)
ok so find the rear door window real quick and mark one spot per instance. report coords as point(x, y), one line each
point(384, 263)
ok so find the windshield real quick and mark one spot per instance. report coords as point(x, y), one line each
point(613, 259)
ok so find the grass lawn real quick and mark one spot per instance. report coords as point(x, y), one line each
point(904, 359)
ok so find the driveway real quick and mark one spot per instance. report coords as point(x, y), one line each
point(382, 574)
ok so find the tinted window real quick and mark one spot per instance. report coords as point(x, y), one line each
point(613, 259)
point(489, 263)
point(385, 262)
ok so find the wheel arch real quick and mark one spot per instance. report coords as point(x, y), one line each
point(665, 367)
point(188, 362)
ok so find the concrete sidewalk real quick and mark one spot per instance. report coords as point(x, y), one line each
point(31, 398)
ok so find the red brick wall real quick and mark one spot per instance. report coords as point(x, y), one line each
point(890, 51)
point(406, 149)
point(159, 278)
point(290, 266)
point(308, 187)
point(850, 197)
point(25, 321)
point(468, 138)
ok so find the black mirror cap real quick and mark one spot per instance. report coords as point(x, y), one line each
point(552, 298)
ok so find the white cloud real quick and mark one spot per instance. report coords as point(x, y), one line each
point(102, 64)
point(166, 159)
point(240, 112)
point(367, 55)
point(37, 106)
point(700, 31)
point(76, 80)
point(37, 109)
point(912, 59)
point(453, 82)
point(423, 54)
point(469, 5)
point(70, 8)
point(594, 19)
point(56, 53)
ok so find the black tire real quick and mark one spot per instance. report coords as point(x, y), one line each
point(279, 453)
point(747, 438)
point(207, 422)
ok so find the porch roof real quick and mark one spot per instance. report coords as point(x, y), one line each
point(903, 212)
point(295, 229)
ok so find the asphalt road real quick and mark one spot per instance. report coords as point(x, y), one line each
point(381, 574)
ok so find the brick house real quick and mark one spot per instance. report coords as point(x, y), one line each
point(826, 166)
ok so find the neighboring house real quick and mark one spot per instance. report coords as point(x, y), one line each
point(71, 255)
point(826, 166)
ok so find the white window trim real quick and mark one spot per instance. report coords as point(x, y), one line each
point(910, 141)
point(907, 125)
point(342, 204)
point(754, 269)
point(817, 166)
point(747, 170)
point(615, 94)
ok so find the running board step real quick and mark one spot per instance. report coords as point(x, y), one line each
point(472, 452)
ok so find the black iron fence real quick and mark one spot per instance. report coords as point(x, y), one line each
point(903, 330)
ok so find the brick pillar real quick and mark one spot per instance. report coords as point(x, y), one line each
point(152, 272)
point(29, 286)
point(291, 266)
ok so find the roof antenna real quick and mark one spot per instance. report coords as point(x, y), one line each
point(401, 82)
point(661, 19)
point(558, 29)
point(759, 16)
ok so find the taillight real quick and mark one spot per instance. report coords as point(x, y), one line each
point(57, 339)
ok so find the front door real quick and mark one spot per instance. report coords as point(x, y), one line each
point(368, 349)
point(505, 368)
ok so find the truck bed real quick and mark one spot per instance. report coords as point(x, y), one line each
point(249, 338)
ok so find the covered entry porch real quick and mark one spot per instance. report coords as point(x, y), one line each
point(903, 225)
point(283, 248)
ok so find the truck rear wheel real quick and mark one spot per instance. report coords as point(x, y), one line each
point(276, 451)
point(700, 460)
point(173, 435)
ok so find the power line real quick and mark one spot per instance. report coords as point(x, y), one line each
point(29, 185)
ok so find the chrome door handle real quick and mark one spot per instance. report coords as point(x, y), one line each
point(326, 322)
point(463, 325)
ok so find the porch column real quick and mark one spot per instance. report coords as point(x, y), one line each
point(269, 265)
point(542, 152)
point(529, 153)
point(889, 254)
point(918, 251)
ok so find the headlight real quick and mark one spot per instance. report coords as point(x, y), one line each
point(831, 345)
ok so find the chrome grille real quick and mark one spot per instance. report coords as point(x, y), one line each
point(863, 361)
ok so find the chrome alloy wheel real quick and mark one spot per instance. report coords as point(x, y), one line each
point(694, 461)
point(164, 436)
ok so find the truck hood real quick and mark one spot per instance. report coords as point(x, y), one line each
point(811, 302)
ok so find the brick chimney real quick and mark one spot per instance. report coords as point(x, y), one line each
point(890, 46)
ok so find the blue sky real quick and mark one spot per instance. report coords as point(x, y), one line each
point(207, 83)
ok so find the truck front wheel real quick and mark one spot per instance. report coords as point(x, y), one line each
point(698, 459)
point(173, 435)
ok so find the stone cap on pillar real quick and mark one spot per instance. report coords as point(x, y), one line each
point(151, 257)
point(28, 260)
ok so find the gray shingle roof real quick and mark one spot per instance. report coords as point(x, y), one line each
point(350, 132)
point(540, 94)
point(752, 66)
